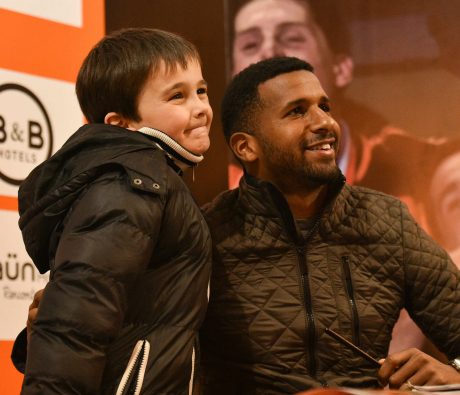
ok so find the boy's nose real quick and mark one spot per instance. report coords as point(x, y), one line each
point(201, 107)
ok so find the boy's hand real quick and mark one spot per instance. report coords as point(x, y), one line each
point(416, 367)
point(33, 310)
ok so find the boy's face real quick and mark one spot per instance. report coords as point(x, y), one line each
point(176, 103)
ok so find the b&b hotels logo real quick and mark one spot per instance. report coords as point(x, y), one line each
point(26, 137)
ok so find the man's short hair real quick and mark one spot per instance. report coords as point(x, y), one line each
point(115, 71)
point(241, 102)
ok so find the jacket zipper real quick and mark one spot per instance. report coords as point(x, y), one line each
point(301, 251)
point(192, 376)
point(135, 371)
point(351, 299)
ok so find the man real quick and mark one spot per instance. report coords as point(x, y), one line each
point(372, 152)
point(296, 251)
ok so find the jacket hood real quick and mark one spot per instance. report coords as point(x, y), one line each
point(51, 188)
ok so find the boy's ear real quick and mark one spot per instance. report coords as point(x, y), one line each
point(113, 118)
point(245, 146)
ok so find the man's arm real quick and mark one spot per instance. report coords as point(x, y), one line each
point(19, 352)
point(432, 284)
point(33, 310)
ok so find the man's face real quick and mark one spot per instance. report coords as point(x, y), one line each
point(269, 28)
point(176, 103)
point(297, 137)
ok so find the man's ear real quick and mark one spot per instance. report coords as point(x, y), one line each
point(113, 118)
point(245, 146)
point(343, 70)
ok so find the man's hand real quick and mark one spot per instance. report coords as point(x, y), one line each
point(33, 310)
point(416, 367)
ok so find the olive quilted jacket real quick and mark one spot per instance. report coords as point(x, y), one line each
point(273, 292)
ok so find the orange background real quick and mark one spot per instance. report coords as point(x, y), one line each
point(48, 49)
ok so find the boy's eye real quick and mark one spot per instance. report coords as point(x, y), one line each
point(202, 91)
point(176, 96)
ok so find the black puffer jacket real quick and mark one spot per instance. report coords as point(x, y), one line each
point(129, 254)
point(273, 293)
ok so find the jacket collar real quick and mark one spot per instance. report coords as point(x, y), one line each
point(263, 198)
point(180, 157)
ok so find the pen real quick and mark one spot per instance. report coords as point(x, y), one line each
point(355, 348)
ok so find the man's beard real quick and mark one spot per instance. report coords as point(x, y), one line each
point(292, 170)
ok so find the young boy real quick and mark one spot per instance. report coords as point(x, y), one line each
point(109, 216)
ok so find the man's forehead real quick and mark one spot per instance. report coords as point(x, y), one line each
point(292, 86)
point(260, 12)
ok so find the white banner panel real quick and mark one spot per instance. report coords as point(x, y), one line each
point(68, 12)
point(19, 279)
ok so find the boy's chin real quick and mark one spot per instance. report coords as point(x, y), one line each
point(199, 148)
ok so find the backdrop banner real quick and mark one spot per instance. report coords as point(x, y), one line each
point(43, 45)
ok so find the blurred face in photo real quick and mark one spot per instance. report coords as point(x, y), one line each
point(269, 28)
point(445, 194)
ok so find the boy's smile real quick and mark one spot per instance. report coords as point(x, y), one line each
point(176, 103)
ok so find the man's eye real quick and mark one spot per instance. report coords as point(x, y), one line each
point(248, 42)
point(293, 38)
point(250, 46)
point(325, 107)
point(297, 111)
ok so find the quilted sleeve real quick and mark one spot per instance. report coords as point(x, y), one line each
point(106, 244)
point(432, 286)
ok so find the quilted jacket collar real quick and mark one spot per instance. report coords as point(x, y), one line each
point(264, 199)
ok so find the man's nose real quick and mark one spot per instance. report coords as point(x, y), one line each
point(321, 120)
point(272, 49)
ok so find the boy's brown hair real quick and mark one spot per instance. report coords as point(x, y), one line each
point(115, 71)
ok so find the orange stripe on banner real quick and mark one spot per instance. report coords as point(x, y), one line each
point(11, 379)
point(46, 48)
point(8, 203)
